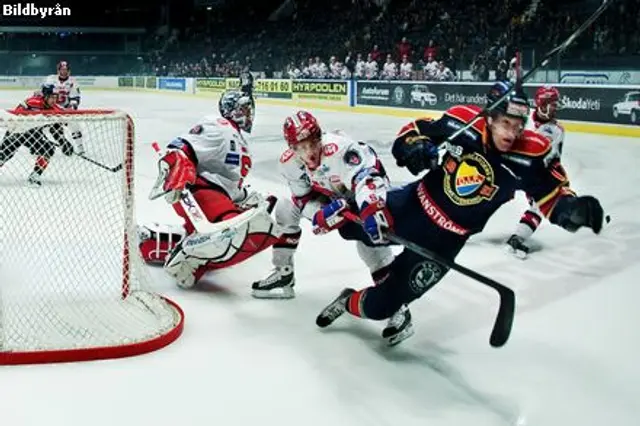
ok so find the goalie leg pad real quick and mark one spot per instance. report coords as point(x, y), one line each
point(215, 204)
point(236, 240)
point(156, 241)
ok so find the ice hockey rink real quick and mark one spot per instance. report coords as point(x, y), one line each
point(572, 358)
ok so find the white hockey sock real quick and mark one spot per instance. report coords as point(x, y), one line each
point(523, 231)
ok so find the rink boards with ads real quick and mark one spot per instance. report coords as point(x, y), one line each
point(587, 108)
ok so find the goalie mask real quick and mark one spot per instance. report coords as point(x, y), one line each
point(237, 107)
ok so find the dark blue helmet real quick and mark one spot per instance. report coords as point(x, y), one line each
point(237, 107)
point(516, 104)
point(48, 89)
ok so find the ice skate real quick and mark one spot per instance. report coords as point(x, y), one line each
point(335, 309)
point(278, 285)
point(399, 327)
point(517, 247)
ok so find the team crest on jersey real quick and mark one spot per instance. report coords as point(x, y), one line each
point(469, 180)
point(330, 149)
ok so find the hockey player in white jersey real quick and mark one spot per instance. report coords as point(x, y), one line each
point(68, 92)
point(204, 170)
point(66, 86)
point(327, 175)
point(542, 120)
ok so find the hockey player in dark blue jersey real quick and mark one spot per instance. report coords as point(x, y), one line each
point(481, 170)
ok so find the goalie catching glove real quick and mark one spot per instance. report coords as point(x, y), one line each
point(176, 171)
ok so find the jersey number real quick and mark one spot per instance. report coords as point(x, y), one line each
point(61, 98)
point(245, 166)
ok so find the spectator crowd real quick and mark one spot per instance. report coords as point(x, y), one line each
point(374, 39)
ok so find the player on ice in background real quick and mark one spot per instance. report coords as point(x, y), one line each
point(327, 174)
point(543, 121)
point(42, 140)
point(479, 173)
point(246, 82)
point(66, 86)
point(68, 93)
point(212, 160)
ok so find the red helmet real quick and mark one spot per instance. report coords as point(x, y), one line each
point(546, 94)
point(300, 126)
point(545, 97)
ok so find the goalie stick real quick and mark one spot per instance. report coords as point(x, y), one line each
point(506, 310)
point(457, 151)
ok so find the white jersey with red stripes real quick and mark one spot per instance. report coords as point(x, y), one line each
point(348, 169)
point(552, 130)
point(67, 90)
point(222, 154)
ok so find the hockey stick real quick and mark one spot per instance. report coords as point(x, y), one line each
point(99, 164)
point(506, 311)
point(457, 151)
point(113, 169)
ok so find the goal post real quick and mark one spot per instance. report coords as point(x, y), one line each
point(73, 286)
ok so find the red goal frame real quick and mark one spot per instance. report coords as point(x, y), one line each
point(103, 352)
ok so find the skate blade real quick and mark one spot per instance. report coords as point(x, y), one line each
point(400, 337)
point(518, 254)
point(284, 293)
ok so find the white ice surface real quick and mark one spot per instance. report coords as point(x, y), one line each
point(572, 358)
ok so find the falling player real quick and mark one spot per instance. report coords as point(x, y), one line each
point(458, 196)
point(326, 174)
point(543, 120)
point(68, 92)
point(41, 140)
point(212, 160)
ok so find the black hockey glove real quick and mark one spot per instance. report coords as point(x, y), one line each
point(415, 152)
point(572, 213)
point(67, 148)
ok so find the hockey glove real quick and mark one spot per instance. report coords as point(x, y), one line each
point(177, 171)
point(329, 217)
point(376, 219)
point(415, 152)
point(572, 213)
point(67, 148)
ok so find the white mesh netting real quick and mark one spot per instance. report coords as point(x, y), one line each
point(72, 284)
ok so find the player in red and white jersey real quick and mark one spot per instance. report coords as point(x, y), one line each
point(68, 91)
point(66, 86)
point(543, 121)
point(328, 174)
point(211, 160)
point(40, 140)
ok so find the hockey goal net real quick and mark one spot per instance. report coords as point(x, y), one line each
point(72, 284)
